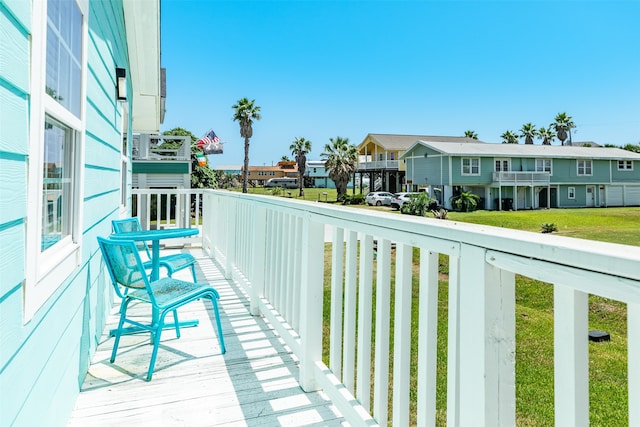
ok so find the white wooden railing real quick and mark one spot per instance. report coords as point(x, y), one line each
point(162, 208)
point(276, 248)
point(379, 164)
point(536, 178)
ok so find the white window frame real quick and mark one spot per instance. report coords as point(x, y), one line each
point(571, 193)
point(543, 166)
point(470, 161)
point(502, 165)
point(584, 164)
point(47, 270)
point(625, 165)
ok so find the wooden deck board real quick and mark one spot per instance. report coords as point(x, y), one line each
point(253, 384)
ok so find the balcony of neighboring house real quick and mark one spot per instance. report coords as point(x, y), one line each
point(161, 161)
point(326, 309)
point(521, 178)
point(378, 165)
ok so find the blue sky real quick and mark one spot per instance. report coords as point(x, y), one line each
point(321, 69)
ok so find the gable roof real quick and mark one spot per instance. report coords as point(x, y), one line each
point(525, 150)
point(404, 142)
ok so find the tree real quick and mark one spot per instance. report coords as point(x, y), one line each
point(547, 135)
point(509, 137)
point(285, 158)
point(470, 134)
point(631, 147)
point(562, 125)
point(245, 113)
point(528, 132)
point(299, 148)
point(201, 176)
point(466, 201)
point(341, 160)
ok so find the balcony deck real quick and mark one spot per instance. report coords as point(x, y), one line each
point(254, 383)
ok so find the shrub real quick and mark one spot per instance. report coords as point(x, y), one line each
point(419, 205)
point(466, 201)
point(548, 227)
point(440, 213)
point(353, 199)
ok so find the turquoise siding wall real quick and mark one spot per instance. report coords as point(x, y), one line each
point(43, 363)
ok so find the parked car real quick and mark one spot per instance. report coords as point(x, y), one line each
point(400, 199)
point(378, 198)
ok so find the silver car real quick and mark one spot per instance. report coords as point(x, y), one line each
point(400, 199)
point(379, 198)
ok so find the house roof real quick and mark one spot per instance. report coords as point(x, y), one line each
point(526, 150)
point(404, 142)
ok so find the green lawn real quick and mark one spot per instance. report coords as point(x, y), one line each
point(534, 320)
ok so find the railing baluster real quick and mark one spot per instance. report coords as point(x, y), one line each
point(633, 368)
point(428, 338)
point(348, 358)
point(365, 302)
point(383, 314)
point(337, 277)
point(571, 356)
point(402, 336)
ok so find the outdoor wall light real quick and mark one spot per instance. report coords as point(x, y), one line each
point(121, 84)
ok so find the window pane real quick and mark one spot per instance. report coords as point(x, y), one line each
point(64, 47)
point(56, 189)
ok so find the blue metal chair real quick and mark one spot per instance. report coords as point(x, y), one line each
point(164, 295)
point(171, 263)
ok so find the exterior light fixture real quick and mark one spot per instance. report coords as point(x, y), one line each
point(121, 84)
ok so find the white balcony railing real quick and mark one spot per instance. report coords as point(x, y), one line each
point(276, 248)
point(522, 178)
point(161, 147)
point(380, 164)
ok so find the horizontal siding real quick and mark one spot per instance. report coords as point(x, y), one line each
point(43, 362)
point(161, 167)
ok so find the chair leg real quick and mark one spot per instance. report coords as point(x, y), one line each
point(214, 301)
point(123, 313)
point(193, 273)
point(176, 321)
point(156, 344)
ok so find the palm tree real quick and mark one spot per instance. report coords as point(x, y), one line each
point(470, 134)
point(341, 160)
point(246, 112)
point(299, 148)
point(563, 125)
point(528, 132)
point(547, 135)
point(285, 158)
point(509, 137)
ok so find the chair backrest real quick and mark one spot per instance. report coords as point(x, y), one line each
point(124, 265)
point(128, 225)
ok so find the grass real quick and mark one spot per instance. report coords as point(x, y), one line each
point(534, 320)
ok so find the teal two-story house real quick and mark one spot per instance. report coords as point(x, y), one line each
point(77, 79)
point(515, 176)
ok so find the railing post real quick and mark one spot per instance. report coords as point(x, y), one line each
point(311, 297)
point(487, 341)
point(571, 356)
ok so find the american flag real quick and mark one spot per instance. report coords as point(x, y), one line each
point(209, 138)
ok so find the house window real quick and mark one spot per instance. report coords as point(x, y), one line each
point(571, 193)
point(502, 165)
point(392, 155)
point(381, 157)
point(55, 167)
point(543, 165)
point(57, 183)
point(625, 165)
point(64, 54)
point(584, 167)
point(124, 170)
point(470, 166)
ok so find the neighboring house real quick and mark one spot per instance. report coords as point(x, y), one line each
point(261, 174)
point(318, 175)
point(235, 170)
point(161, 161)
point(65, 173)
point(380, 158)
point(518, 176)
